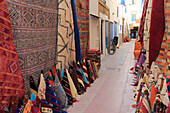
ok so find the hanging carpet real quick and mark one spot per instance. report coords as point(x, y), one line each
point(142, 21)
point(76, 31)
point(65, 44)
point(34, 32)
point(161, 60)
point(11, 80)
point(82, 8)
point(156, 29)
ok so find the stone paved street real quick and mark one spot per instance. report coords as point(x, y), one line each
point(111, 93)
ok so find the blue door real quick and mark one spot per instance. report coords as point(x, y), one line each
point(106, 34)
point(115, 29)
point(111, 33)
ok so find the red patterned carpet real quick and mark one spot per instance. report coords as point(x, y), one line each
point(11, 80)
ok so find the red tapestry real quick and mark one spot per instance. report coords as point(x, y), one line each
point(142, 21)
point(82, 8)
point(11, 80)
point(156, 29)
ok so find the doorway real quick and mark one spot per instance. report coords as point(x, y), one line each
point(101, 37)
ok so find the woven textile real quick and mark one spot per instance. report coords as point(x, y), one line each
point(95, 70)
point(51, 98)
point(142, 59)
point(65, 44)
point(84, 67)
point(33, 87)
point(34, 32)
point(164, 94)
point(145, 107)
point(35, 108)
point(162, 59)
point(72, 86)
point(168, 108)
point(42, 87)
point(74, 77)
point(168, 86)
point(94, 55)
point(142, 22)
point(90, 71)
point(50, 78)
point(82, 8)
point(168, 37)
point(153, 96)
point(59, 91)
point(81, 75)
point(137, 49)
point(156, 29)
point(76, 31)
point(27, 108)
point(45, 108)
point(32, 98)
point(66, 87)
point(11, 80)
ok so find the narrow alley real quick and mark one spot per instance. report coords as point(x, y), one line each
point(84, 56)
point(112, 92)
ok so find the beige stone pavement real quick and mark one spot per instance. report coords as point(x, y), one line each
point(111, 93)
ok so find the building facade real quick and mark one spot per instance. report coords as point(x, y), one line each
point(134, 9)
point(105, 22)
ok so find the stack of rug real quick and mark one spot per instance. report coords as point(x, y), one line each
point(150, 89)
point(58, 91)
point(94, 55)
point(152, 82)
point(137, 49)
point(32, 25)
point(34, 32)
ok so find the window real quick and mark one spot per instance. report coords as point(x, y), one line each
point(125, 9)
point(133, 2)
point(133, 18)
point(122, 2)
point(117, 11)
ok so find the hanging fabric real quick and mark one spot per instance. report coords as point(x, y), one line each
point(82, 9)
point(11, 80)
point(142, 22)
point(34, 30)
point(162, 58)
point(76, 31)
point(157, 27)
point(65, 40)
